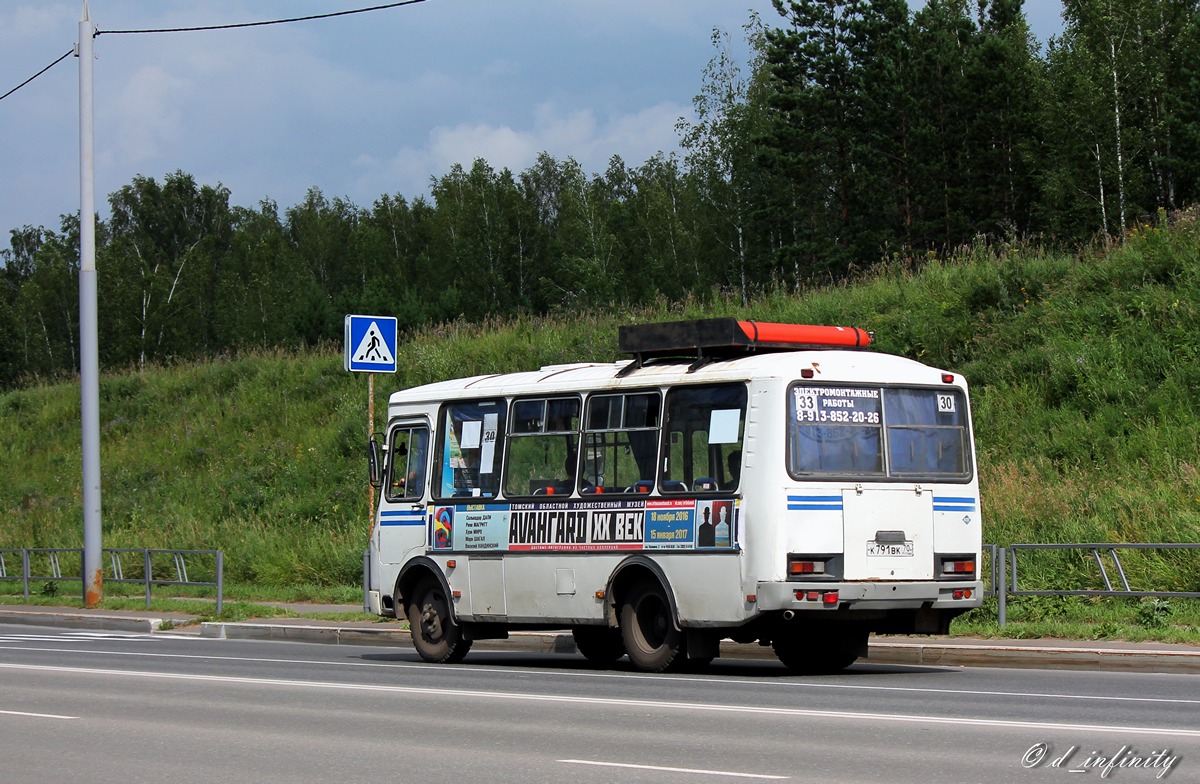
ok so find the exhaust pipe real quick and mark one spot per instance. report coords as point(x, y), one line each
point(789, 615)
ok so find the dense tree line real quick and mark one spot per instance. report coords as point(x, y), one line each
point(860, 131)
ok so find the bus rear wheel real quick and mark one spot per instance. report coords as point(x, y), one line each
point(648, 631)
point(814, 655)
point(434, 635)
point(600, 645)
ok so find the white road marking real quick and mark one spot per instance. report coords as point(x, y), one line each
point(675, 770)
point(774, 684)
point(35, 715)
point(664, 705)
point(81, 637)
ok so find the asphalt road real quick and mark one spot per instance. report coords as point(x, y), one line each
point(95, 706)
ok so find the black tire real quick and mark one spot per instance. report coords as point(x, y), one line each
point(648, 630)
point(434, 634)
point(600, 645)
point(814, 655)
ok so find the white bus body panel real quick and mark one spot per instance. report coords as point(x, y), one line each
point(777, 514)
point(533, 588)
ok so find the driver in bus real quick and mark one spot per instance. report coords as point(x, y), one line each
point(735, 469)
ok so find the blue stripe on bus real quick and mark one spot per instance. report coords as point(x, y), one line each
point(824, 503)
point(833, 503)
point(953, 504)
point(401, 518)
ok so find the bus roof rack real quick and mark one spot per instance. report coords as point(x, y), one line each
point(718, 338)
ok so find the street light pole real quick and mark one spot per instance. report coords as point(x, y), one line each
point(89, 362)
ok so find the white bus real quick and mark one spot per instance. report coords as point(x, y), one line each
point(734, 480)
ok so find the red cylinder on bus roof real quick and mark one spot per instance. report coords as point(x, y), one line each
point(805, 334)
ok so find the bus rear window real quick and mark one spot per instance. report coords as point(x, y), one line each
point(876, 432)
point(926, 433)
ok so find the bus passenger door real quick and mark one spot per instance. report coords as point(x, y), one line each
point(401, 528)
point(888, 534)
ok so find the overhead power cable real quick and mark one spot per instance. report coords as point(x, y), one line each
point(216, 27)
point(68, 53)
point(261, 24)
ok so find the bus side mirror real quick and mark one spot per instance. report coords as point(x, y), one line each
point(374, 463)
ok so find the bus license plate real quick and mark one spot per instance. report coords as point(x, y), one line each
point(890, 549)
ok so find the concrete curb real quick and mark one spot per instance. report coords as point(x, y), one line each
point(79, 621)
point(1036, 657)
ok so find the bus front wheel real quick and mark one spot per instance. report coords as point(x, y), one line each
point(648, 631)
point(434, 635)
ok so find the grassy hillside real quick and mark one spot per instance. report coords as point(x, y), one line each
point(1084, 369)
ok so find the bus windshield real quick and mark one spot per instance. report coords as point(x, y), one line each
point(877, 432)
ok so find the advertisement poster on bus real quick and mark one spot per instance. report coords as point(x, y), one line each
point(587, 525)
point(669, 523)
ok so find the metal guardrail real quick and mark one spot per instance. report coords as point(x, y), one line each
point(1007, 559)
point(119, 563)
point(992, 553)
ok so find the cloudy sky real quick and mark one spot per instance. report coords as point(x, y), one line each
point(358, 106)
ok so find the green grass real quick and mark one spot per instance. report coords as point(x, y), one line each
point(1086, 618)
point(1083, 368)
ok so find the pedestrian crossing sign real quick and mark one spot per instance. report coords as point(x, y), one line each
point(371, 344)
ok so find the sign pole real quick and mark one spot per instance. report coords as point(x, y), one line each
point(370, 348)
point(370, 432)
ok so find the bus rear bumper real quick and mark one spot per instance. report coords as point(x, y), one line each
point(832, 596)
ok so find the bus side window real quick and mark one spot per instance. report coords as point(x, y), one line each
point(469, 449)
point(543, 447)
point(703, 448)
point(406, 464)
point(621, 443)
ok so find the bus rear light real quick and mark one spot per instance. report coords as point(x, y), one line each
point(959, 567)
point(806, 567)
point(947, 378)
point(808, 596)
point(963, 593)
point(825, 597)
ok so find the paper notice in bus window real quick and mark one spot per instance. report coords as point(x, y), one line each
point(488, 451)
point(723, 426)
point(806, 402)
point(470, 436)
